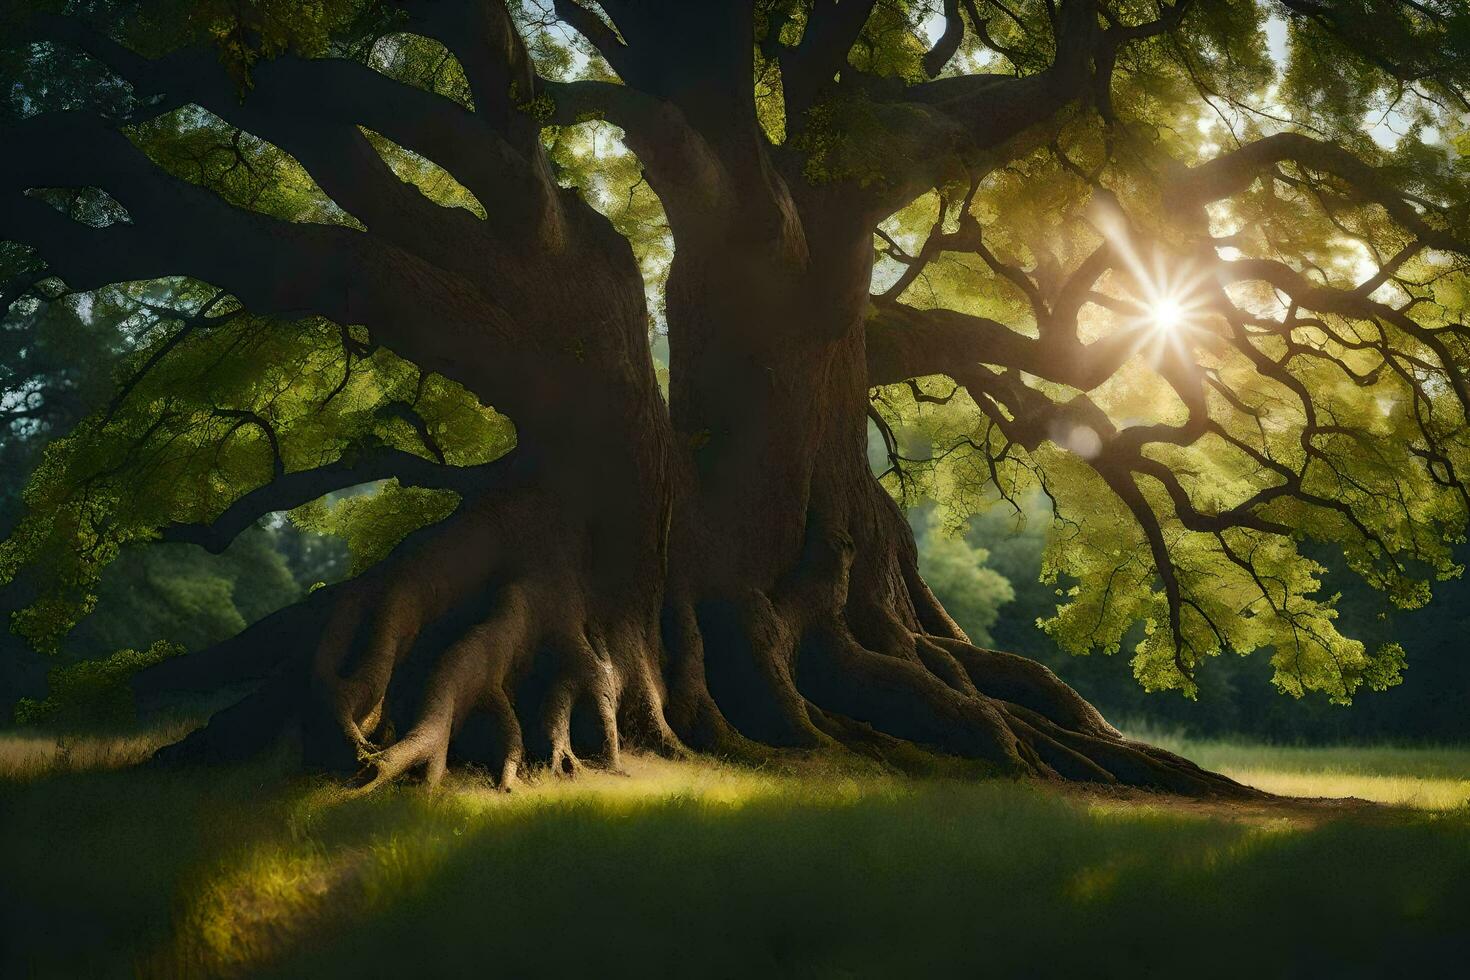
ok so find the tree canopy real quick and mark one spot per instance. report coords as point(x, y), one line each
point(1197, 271)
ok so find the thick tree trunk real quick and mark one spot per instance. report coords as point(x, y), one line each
point(721, 574)
point(814, 627)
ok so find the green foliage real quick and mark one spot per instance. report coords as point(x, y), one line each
point(1234, 694)
point(423, 63)
point(373, 523)
point(1181, 99)
point(167, 454)
point(244, 169)
point(56, 365)
point(432, 180)
point(93, 692)
point(891, 44)
point(957, 572)
point(1356, 56)
point(558, 52)
point(835, 139)
point(182, 594)
point(592, 157)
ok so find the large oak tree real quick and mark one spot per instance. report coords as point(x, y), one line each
point(1208, 298)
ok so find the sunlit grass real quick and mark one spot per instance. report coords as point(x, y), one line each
point(26, 755)
point(698, 868)
point(1410, 791)
point(1425, 777)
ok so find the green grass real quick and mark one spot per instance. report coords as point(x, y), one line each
point(691, 869)
point(1424, 777)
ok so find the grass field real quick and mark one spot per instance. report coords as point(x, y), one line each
point(1431, 778)
point(688, 869)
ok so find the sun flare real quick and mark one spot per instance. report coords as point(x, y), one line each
point(1166, 313)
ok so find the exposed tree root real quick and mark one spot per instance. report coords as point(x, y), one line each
point(490, 643)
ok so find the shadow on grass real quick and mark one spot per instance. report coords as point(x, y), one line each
point(705, 870)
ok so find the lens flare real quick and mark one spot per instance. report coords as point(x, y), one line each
point(1167, 305)
point(1167, 313)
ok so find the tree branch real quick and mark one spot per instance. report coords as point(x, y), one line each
point(273, 267)
point(311, 107)
point(937, 129)
point(1230, 173)
point(291, 490)
point(679, 163)
point(599, 35)
point(831, 30)
point(949, 42)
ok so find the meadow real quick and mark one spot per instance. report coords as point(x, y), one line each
point(813, 869)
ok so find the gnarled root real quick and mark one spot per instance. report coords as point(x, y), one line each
point(1012, 714)
point(486, 642)
point(491, 642)
point(921, 683)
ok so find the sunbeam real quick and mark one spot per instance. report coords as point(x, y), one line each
point(1166, 313)
point(1168, 302)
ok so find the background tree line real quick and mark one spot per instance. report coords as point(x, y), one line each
point(988, 577)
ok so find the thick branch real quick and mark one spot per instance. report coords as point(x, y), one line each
point(904, 342)
point(291, 99)
point(949, 42)
point(831, 29)
point(678, 162)
point(1233, 172)
point(273, 267)
point(940, 128)
point(483, 39)
point(290, 490)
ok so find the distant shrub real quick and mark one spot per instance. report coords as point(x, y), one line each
point(93, 692)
